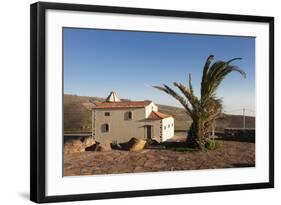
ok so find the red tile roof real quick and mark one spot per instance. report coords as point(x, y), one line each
point(122, 104)
point(157, 115)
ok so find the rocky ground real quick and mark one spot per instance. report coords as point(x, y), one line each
point(230, 154)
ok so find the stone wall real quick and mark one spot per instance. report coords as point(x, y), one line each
point(239, 134)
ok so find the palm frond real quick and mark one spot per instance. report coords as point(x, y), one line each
point(217, 72)
point(190, 84)
point(174, 94)
point(233, 59)
point(193, 101)
point(207, 85)
point(207, 66)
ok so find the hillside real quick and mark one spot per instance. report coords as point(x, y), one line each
point(78, 119)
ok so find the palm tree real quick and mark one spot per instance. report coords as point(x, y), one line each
point(206, 109)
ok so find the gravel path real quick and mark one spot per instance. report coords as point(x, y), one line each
point(231, 154)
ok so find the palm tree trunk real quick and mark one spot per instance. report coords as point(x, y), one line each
point(199, 133)
point(196, 135)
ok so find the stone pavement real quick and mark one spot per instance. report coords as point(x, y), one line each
point(231, 154)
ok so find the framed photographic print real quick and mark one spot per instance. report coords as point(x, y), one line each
point(129, 102)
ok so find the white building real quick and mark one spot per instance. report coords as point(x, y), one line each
point(119, 121)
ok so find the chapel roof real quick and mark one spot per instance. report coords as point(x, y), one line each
point(112, 97)
point(121, 104)
point(157, 116)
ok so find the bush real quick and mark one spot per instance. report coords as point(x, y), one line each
point(212, 145)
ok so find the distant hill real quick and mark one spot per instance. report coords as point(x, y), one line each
point(78, 119)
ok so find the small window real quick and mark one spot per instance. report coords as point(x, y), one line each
point(105, 127)
point(107, 114)
point(130, 115)
point(169, 126)
point(164, 127)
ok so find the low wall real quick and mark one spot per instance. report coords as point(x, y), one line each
point(238, 134)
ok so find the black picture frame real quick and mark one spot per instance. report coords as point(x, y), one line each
point(38, 104)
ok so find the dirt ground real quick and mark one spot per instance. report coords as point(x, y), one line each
point(231, 154)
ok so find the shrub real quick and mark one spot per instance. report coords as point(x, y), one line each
point(212, 145)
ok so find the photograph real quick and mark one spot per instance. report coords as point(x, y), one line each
point(143, 101)
point(136, 101)
point(140, 102)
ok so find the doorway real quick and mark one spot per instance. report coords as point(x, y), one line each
point(149, 131)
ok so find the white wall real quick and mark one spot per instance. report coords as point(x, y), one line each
point(169, 124)
point(120, 129)
point(14, 103)
point(151, 107)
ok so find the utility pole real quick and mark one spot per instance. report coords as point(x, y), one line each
point(244, 119)
point(93, 122)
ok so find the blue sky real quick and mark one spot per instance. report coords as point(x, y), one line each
point(98, 61)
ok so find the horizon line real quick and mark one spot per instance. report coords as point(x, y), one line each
point(175, 106)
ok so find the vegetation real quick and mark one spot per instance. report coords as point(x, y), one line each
point(203, 110)
point(76, 117)
point(212, 145)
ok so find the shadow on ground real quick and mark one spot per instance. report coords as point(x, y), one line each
point(24, 195)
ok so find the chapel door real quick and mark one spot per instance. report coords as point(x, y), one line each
point(149, 131)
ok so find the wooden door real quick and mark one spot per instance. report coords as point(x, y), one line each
point(149, 132)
